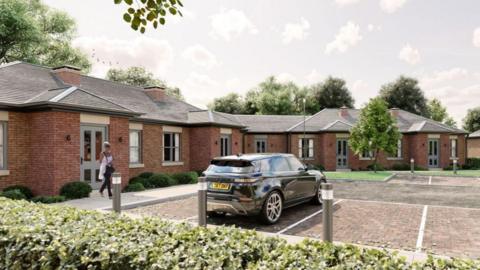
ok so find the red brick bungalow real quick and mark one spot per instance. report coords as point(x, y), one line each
point(53, 123)
point(473, 145)
point(323, 139)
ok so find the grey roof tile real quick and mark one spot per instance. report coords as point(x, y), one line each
point(268, 123)
point(475, 134)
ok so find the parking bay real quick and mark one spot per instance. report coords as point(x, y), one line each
point(387, 214)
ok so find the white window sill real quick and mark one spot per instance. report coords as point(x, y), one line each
point(365, 158)
point(4, 172)
point(394, 158)
point(136, 165)
point(172, 163)
point(307, 158)
point(453, 158)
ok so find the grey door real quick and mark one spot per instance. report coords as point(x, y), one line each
point(91, 142)
point(433, 153)
point(342, 153)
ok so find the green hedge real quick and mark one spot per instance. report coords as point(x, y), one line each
point(23, 189)
point(76, 190)
point(473, 163)
point(185, 177)
point(36, 236)
point(14, 194)
point(49, 199)
point(134, 187)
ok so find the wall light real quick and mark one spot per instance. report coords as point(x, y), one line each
point(120, 139)
point(68, 138)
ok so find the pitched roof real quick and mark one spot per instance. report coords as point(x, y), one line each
point(212, 117)
point(475, 134)
point(268, 123)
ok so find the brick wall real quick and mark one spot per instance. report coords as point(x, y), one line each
point(276, 143)
point(473, 147)
point(119, 128)
point(203, 147)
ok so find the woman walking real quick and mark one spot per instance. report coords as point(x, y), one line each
point(106, 169)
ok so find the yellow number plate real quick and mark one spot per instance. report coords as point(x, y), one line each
point(220, 186)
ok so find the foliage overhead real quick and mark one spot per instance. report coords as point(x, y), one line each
point(139, 14)
point(471, 122)
point(36, 236)
point(33, 32)
point(333, 93)
point(439, 113)
point(375, 131)
point(231, 103)
point(404, 93)
point(139, 76)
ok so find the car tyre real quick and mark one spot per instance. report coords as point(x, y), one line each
point(272, 208)
point(317, 199)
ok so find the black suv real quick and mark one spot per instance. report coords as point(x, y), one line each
point(260, 184)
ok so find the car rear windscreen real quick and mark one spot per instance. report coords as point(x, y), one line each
point(230, 166)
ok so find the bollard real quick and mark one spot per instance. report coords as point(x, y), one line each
point(117, 189)
point(412, 165)
point(455, 166)
point(327, 196)
point(202, 202)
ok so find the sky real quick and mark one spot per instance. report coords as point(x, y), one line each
point(223, 46)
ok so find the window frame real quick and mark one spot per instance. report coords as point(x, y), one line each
point(4, 145)
point(309, 149)
point(225, 140)
point(172, 148)
point(455, 154)
point(263, 141)
point(369, 155)
point(140, 146)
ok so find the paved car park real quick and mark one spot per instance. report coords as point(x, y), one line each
point(440, 215)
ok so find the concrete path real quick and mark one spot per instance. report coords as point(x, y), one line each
point(134, 199)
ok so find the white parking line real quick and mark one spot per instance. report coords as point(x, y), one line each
point(304, 219)
point(430, 180)
point(421, 230)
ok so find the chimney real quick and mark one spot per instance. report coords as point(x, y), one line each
point(343, 112)
point(68, 74)
point(156, 93)
point(394, 112)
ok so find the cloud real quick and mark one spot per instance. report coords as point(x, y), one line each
point(314, 76)
point(362, 92)
point(390, 6)
point(457, 88)
point(229, 24)
point(342, 3)
point(373, 27)
point(295, 31)
point(232, 84)
point(476, 37)
point(155, 55)
point(286, 77)
point(200, 56)
point(348, 36)
point(409, 55)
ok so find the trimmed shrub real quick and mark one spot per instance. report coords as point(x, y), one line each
point(145, 175)
point(23, 189)
point(144, 181)
point(379, 167)
point(49, 199)
point(161, 180)
point(185, 178)
point(419, 168)
point(134, 187)
point(76, 190)
point(14, 194)
point(36, 236)
point(473, 163)
point(401, 167)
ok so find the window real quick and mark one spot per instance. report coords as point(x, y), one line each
point(225, 145)
point(366, 154)
point(260, 146)
point(295, 164)
point(453, 148)
point(305, 148)
point(171, 147)
point(3, 146)
point(398, 154)
point(280, 164)
point(135, 146)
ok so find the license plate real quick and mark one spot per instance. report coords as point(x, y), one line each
point(220, 186)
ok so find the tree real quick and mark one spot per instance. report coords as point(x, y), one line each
point(139, 76)
point(144, 12)
point(438, 112)
point(471, 122)
point(311, 104)
point(33, 32)
point(250, 103)
point(404, 93)
point(275, 97)
point(332, 93)
point(375, 131)
point(231, 103)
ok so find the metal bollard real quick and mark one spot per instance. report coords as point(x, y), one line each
point(202, 202)
point(455, 166)
point(117, 189)
point(327, 196)
point(412, 165)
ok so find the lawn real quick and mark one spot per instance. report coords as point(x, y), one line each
point(470, 173)
point(363, 175)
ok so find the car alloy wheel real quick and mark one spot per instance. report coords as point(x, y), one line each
point(273, 207)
